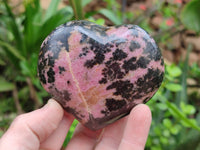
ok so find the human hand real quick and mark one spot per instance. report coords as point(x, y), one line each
point(46, 129)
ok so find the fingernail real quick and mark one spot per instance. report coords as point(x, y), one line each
point(52, 103)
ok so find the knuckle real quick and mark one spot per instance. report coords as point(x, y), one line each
point(19, 120)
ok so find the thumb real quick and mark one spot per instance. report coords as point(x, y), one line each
point(28, 130)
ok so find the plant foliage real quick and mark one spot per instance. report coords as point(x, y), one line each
point(175, 113)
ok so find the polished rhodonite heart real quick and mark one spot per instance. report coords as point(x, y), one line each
point(99, 73)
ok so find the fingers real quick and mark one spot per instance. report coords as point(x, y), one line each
point(56, 139)
point(112, 135)
point(83, 139)
point(29, 130)
point(129, 133)
point(137, 129)
point(107, 138)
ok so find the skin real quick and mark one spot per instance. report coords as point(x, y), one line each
point(38, 130)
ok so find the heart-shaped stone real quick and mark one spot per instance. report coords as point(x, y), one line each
point(99, 73)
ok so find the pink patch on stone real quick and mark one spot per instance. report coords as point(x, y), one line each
point(117, 31)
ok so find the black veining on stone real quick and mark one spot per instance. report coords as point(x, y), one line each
point(51, 75)
point(114, 105)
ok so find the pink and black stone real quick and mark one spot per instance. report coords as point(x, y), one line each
point(99, 73)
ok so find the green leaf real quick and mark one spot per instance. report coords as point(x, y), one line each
point(25, 68)
point(77, 8)
point(51, 9)
point(182, 95)
point(189, 142)
point(156, 147)
point(168, 11)
point(173, 87)
point(111, 16)
point(157, 130)
point(167, 123)
point(166, 133)
point(12, 50)
point(164, 140)
point(60, 17)
point(173, 70)
point(187, 109)
point(193, 121)
point(168, 77)
point(70, 133)
point(161, 106)
point(195, 70)
point(85, 2)
point(6, 86)
point(29, 67)
point(2, 63)
point(175, 129)
point(14, 27)
point(99, 21)
point(181, 116)
point(190, 15)
point(32, 25)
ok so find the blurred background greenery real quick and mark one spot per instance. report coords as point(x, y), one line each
point(175, 25)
